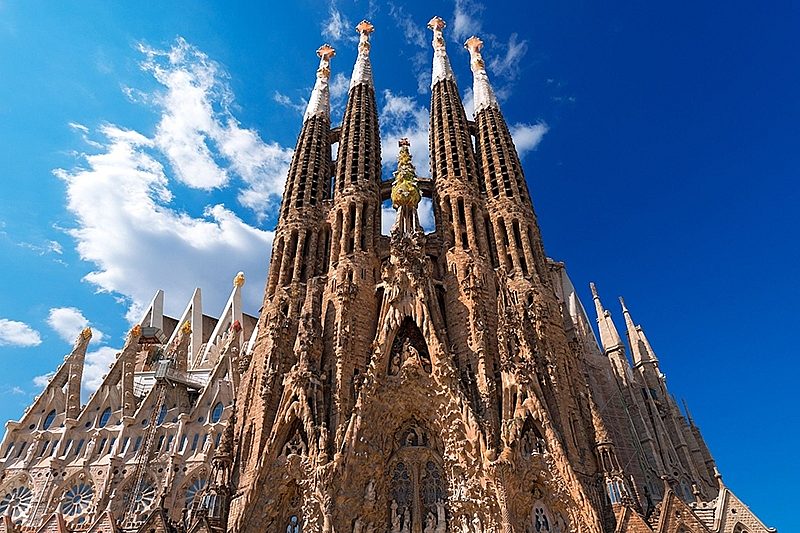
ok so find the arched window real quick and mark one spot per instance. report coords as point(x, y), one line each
point(104, 417)
point(739, 528)
point(162, 414)
point(417, 494)
point(216, 413)
point(48, 420)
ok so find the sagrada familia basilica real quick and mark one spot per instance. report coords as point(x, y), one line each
point(441, 382)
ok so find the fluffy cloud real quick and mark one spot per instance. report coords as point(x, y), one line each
point(96, 367)
point(507, 65)
point(466, 20)
point(528, 136)
point(121, 197)
point(337, 26)
point(44, 379)
point(286, 101)
point(413, 32)
point(197, 131)
point(68, 322)
point(13, 333)
point(402, 116)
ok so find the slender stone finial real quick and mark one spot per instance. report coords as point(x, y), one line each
point(481, 89)
point(441, 64)
point(594, 290)
point(319, 102)
point(362, 72)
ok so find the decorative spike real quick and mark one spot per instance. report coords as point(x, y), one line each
point(640, 346)
point(441, 63)
point(320, 101)
point(362, 72)
point(481, 89)
point(609, 337)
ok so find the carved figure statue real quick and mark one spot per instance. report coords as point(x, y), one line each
point(406, 521)
point(441, 518)
point(395, 518)
point(430, 523)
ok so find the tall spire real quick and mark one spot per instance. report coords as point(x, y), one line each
point(609, 337)
point(641, 351)
point(482, 91)
point(362, 71)
point(441, 64)
point(320, 100)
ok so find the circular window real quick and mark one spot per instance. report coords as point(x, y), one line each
point(77, 500)
point(193, 490)
point(16, 502)
point(143, 499)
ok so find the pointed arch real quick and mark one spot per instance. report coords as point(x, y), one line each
point(408, 347)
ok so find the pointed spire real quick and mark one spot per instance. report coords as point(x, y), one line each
point(688, 413)
point(481, 88)
point(362, 72)
point(320, 100)
point(609, 337)
point(640, 346)
point(441, 63)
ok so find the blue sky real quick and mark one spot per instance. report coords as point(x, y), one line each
point(144, 146)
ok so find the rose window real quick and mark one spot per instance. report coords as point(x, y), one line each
point(144, 497)
point(76, 501)
point(193, 490)
point(16, 502)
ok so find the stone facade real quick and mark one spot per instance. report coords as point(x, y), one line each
point(409, 383)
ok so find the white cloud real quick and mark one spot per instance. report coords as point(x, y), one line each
point(337, 26)
point(44, 379)
point(469, 102)
point(286, 101)
point(14, 333)
point(96, 367)
point(120, 196)
point(466, 21)
point(528, 136)
point(507, 66)
point(413, 32)
point(402, 116)
point(339, 87)
point(68, 322)
point(197, 130)
point(140, 245)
